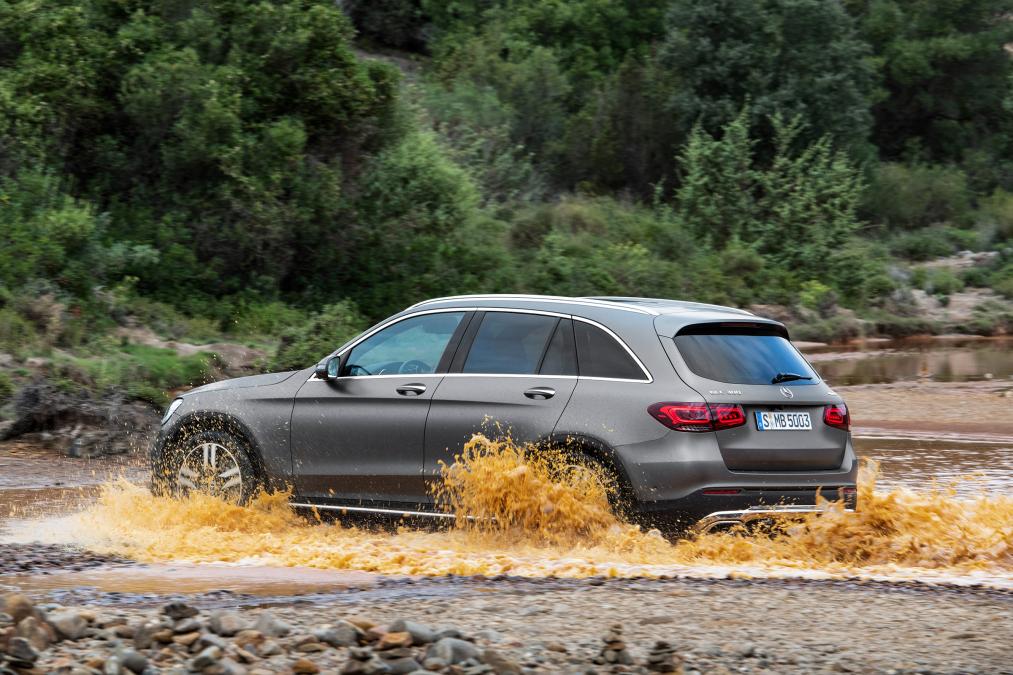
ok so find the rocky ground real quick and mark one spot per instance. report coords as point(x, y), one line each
point(513, 626)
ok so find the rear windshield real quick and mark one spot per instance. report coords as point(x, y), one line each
point(744, 359)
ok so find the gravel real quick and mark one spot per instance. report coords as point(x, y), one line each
point(471, 627)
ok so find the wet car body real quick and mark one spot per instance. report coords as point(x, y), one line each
point(628, 383)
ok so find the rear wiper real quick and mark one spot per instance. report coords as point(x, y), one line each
point(788, 377)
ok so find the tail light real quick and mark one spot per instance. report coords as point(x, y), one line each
point(698, 416)
point(837, 416)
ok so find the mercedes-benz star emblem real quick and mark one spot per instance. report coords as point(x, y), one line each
point(787, 393)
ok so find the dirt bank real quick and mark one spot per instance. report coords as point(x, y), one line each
point(511, 626)
point(972, 409)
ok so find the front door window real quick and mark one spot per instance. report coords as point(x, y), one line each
point(412, 346)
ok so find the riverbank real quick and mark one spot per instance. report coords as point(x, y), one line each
point(514, 625)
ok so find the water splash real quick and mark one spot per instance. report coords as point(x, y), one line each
point(537, 520)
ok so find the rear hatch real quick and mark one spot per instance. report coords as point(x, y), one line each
point(755, 366)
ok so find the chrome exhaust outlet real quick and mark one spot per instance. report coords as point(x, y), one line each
point(727, 518)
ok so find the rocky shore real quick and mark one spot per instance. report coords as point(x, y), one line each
point(478, 626)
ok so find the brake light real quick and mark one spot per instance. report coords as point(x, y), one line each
point(837, 416)
point(698, 416)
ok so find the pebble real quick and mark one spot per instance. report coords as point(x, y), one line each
point(208, 657)
point(226, 623)
point(420, 633)
point(272, 626)
point(305, 667)
point(452, 650)
point(69, 625)
point(179, 610)
point(341, 634)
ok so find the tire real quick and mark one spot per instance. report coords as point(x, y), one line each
point(618, 495)
point(212, 462)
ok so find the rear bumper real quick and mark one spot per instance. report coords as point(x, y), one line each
point(722, 519)
point(703, 512)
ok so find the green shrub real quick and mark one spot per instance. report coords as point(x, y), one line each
point(834, 329)
point(934, 242)
point(17, 335)
point(942, 281)
point(996, 214)
point(265, 319)
point(892, 325)
point(1001, 280)
point(909, 197)
point(7, 387)
point(322, 334)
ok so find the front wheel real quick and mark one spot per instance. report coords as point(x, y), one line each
point(215, 463)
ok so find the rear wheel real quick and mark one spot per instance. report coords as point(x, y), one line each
point(585, 467)
point(215, 463)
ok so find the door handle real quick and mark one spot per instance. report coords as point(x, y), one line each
point(540, 392)
point(411, 389)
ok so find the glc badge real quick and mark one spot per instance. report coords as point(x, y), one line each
point(787, 393)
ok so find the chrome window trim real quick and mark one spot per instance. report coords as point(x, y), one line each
point(622, 343)
point(542, 298)
point(647, 374)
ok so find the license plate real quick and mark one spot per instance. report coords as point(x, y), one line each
point(783, 421)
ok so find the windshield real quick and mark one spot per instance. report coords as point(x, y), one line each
point(745, 359)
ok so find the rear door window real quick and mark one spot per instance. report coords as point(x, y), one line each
point(561, 355)
point(509, 343)
point(600, 355)
point(744, 359)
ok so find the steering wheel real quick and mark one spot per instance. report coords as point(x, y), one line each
point(414, 367)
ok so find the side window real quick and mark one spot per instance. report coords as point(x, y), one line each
point(599, 355)
point(561, 355)
point(509, 344)
point(410, 347)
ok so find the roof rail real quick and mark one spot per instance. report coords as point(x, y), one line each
point(590, 302)
point(668, 302)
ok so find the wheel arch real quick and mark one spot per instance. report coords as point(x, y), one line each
point(209, 420)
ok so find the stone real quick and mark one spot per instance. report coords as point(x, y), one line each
point(663, 659)
point(245, 638)
point(211, 640)
point(452, 650)
point(341, 634)
point(500, 663)
point(162, 635)
point(19, 607)
point(557, 647)
point(39, 634)
point(187, 625)
point(361, 623)
point(226, 623)
point(311, 647)
point(21, 649)
point(133, 661)
point(393, 640)
point(207, 658)
point(186, 639)
point(112, 666)
point(402, 666)
point(245, 656)
point(268, 648)
point(305, 667)
point(272, 626)
point(69, 625)
point(229, 667)
point(124, 631)
point(144, 635)
point(421, 634)
point(179, 610)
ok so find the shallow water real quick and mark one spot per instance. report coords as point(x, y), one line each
point(957, 360)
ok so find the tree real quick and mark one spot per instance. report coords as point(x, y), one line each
point(796, 58)
point(946, 72)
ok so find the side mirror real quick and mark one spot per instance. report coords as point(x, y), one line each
point(328, 370)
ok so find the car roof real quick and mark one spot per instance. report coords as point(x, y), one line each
point(649, 306)
point(668, 316)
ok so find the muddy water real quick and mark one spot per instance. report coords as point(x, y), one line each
point(940, 508)
point(954, 360)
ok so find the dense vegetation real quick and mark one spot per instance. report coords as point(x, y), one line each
point(211, 167)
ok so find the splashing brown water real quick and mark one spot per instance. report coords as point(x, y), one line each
point(536, 520)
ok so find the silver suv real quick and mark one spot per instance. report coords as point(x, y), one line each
point(704, 415)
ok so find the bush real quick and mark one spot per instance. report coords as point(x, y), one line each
point(933, 242)
point(17, 335)
point(909, 197)
point(1002, 281)
point(6, 387)
point(329, 329)
point(941, 281)
point(834, 329)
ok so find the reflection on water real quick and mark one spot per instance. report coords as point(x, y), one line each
point(905, 360)
point(972, 468)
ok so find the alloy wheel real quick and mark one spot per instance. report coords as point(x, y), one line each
point(213, 469)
